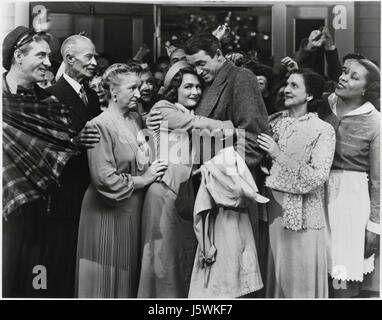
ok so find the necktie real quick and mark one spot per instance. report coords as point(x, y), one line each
point(83, 96)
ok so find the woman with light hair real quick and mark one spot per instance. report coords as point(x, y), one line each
point(108, 239)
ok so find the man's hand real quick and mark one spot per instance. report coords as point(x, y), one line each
point(329, 42)
point(222, 32)
point(143, 50)
point(170, 48)
point(371, 243)
point(289, 63)
point(87, 138)
point(236, 58)
point(316, 39)
point(153, 120)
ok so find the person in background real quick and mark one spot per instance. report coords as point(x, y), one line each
point(103, 62)
point(301, 148)
point(353, 196)
point(109, 232)
point(95, 83)
point(177, 55)
point(148, 91)
point(163, 64)
point(315, 49)
point(265, 78)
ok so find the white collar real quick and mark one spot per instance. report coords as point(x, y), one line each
point(73, 83)
point(365, 108)
point(12, 83)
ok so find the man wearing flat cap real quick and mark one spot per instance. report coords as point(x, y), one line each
point(36, 147)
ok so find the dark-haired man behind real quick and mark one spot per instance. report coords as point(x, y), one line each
point(232, 93)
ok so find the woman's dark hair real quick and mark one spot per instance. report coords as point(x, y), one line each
point(314, 86)
point(260, 69)
point(373, 81)
point(171, 93)
point(353, 56)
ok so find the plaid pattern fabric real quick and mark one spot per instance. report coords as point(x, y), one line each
point(36, 147)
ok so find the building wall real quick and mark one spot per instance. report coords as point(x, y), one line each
point(14, 14)
point(368, 29)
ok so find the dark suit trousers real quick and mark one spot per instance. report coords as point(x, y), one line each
point(23, 249)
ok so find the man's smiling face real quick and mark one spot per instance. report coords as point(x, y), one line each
point(206, 66)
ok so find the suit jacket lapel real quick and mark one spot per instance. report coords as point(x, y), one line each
point(79, 112)
point(213, 93)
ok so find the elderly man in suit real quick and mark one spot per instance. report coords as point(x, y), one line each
point(78, 53)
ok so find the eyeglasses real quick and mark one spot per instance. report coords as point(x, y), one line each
point(31, 36)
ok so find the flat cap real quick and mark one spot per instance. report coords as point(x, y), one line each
point(9, 43)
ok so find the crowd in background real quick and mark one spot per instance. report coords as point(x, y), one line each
point(86, 195)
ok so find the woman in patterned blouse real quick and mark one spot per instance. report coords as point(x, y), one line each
point(301, 148)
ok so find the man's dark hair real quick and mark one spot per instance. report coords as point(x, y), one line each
point(203, 41)
point(163, 59)
point(260, 69)
point(355, 56)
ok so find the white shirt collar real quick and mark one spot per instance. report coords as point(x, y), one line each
point(73, 83)
point(12, 83)
point(365, 108)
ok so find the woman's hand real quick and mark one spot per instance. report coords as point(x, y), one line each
point(155, 171)
point(371, 243)
point(316, 39)
point(269, 145)
point(153, 120)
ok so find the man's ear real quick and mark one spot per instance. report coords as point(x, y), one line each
point(69, 58)
point(219, 55)
point(18, 56)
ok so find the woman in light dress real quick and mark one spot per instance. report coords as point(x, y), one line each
point(353, 195)
point(168, 239)
point(108, 241)
point(302, 148)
